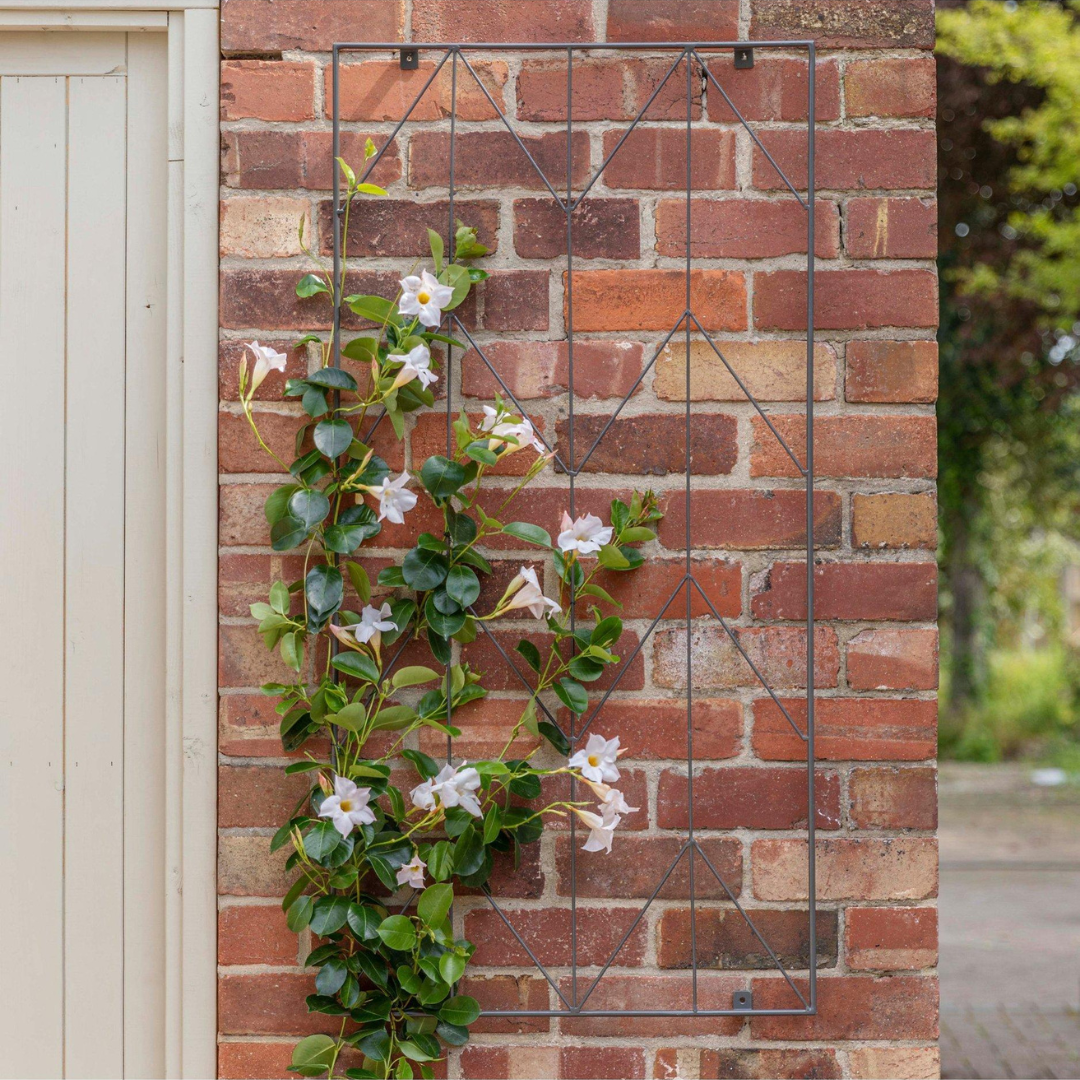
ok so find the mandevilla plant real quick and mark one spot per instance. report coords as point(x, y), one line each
point(364, 848)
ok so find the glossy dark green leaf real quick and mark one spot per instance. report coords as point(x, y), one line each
point(329, 915)
point(363, 921)
point(586, 668)
point(333, 437)
point(423, 569)
point(358, 665)
point(443, 625)
point(572, 695)
point(530, 652)
point(434, 903)
point(468, 851)
point(461, 1010)
point(375, 1046)
point(277, 505)
point(309, 507)
point(373, 308)
point(440, 862)
point(331, 976)
point(315, 405)
point(333, 378)
point(441, 476)
point(462, 585)
point(452, 1034)
point(554, 736)
point(322, 841)
point(311, 285)
point(324, 589)
point(533, 534)
point(398, 933)
point(299, 914)
point(287, 532)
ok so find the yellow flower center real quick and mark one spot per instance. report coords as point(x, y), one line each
point(594, 760)
point(423, 297)
point(346, 805)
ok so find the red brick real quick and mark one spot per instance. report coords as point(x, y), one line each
point(479, 1062)
point(297, 159)
point(656, 728)
point(645, 592)
point(673, 20)
point(248, 727)
point(847, 869)
point(247, 867)
point(254, 1060)
point(602, 229)
point(741, 1064)
point(894, 520)
point(244, 661)
point(891, 939)
point(849, 159)
point(775, 88)
point(602, 1062)
point(273, 387)
point(855, 299)
point(258, 796)
point(508, 992)
point(885, 24)
point(892, 371)
point(651, 445)
point(398, 227)
point(726, 940)
point(255, 934)
point(514, 300)
point(891, 228)
point(503, 20)
point(636, 864)
point(778, 652)
point(632, 782)
point(264, 26)
point(493, 159)
point(893, 798)
point(655, 158)
point(547, 932)
point(267, 90)
point(240, 514)
point(900, 86)
point(485, 657)
point(656, 299)
point(381, 90)
point(902, 591)
point(754, 797)
point(882, 446)
point(851, 1007)
point(848, 729)
point(744, 228)
point(893, 660)
point(541, 369)
point(606, 90)
point(525, 881)
point(267, 1003)
point(750, 519)
point(623, 992)
point(485, 728)
point(429, 437)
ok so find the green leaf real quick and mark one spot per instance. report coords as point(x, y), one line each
point(309, 507)
point(443, 625)
point(413, 676)
point(452, 1034)
point(310, 285)
point(572, 695)
point(333, 437)
point(479, 451)
point(492, 823)
point(440, 862)
point(468, 851)
point(375, 1046)
point(434, 903)
point(363, 921)
point(315, 405)
point(423, 570)
point(526, 785)
point(373, 308)
point(530, 652)
point(331, 977)
point(612, 558)
point(451, 967)
point(299, 914)
point(393, 718)
point(316, 1052)
point(425, 766)
point(457, 277)
point(391, 577)
point(277, 505)
point(361, 349)
point(436, 242)
point(329, 915)
point(585, 668)
point(462, 585)
point(441, 476)
point(533, 534)
point(292, 650)
point(397, 933)
point(637, 535)
point(555, 737)
point(287, 532)
point(332, 378)
point(358, 665)
point(461, 1010)
point(322, 841)
point(324, 590)
point(370, 189)
point(360, 582)
point(279, 597)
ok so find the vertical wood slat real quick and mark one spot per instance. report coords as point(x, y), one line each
point(32, 182)
point(94, 603)
point(145, 560)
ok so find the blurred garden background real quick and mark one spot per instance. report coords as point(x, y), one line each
point(1009, 408)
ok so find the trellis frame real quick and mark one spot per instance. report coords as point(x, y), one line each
point(688, 54)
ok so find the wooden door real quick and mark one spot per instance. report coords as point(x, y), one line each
point(83, 185)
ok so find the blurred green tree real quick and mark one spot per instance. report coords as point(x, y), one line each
point(1009, 165)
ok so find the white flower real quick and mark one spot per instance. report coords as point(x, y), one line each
point(501, 425)
point(395, 499)
point(348, 806)
point(412, 873)
point(586, 535)
point(597, 760)
point(525, 592)
point(423, 796)
point(455, 787)
point(266, 360)
point(425, 297)
point(373, 621)
point(611, 799)
point(417, 365)
point(601, 829)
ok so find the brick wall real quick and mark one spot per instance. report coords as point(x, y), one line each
point(876, 455)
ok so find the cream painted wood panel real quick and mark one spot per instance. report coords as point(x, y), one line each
point(83, 192)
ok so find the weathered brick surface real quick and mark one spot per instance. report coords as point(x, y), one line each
point(874, 373)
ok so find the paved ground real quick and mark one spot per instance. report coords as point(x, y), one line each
point(1010, 925)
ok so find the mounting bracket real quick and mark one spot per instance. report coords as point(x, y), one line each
point(410, 59)
point(744, 58)
point(742, 999)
